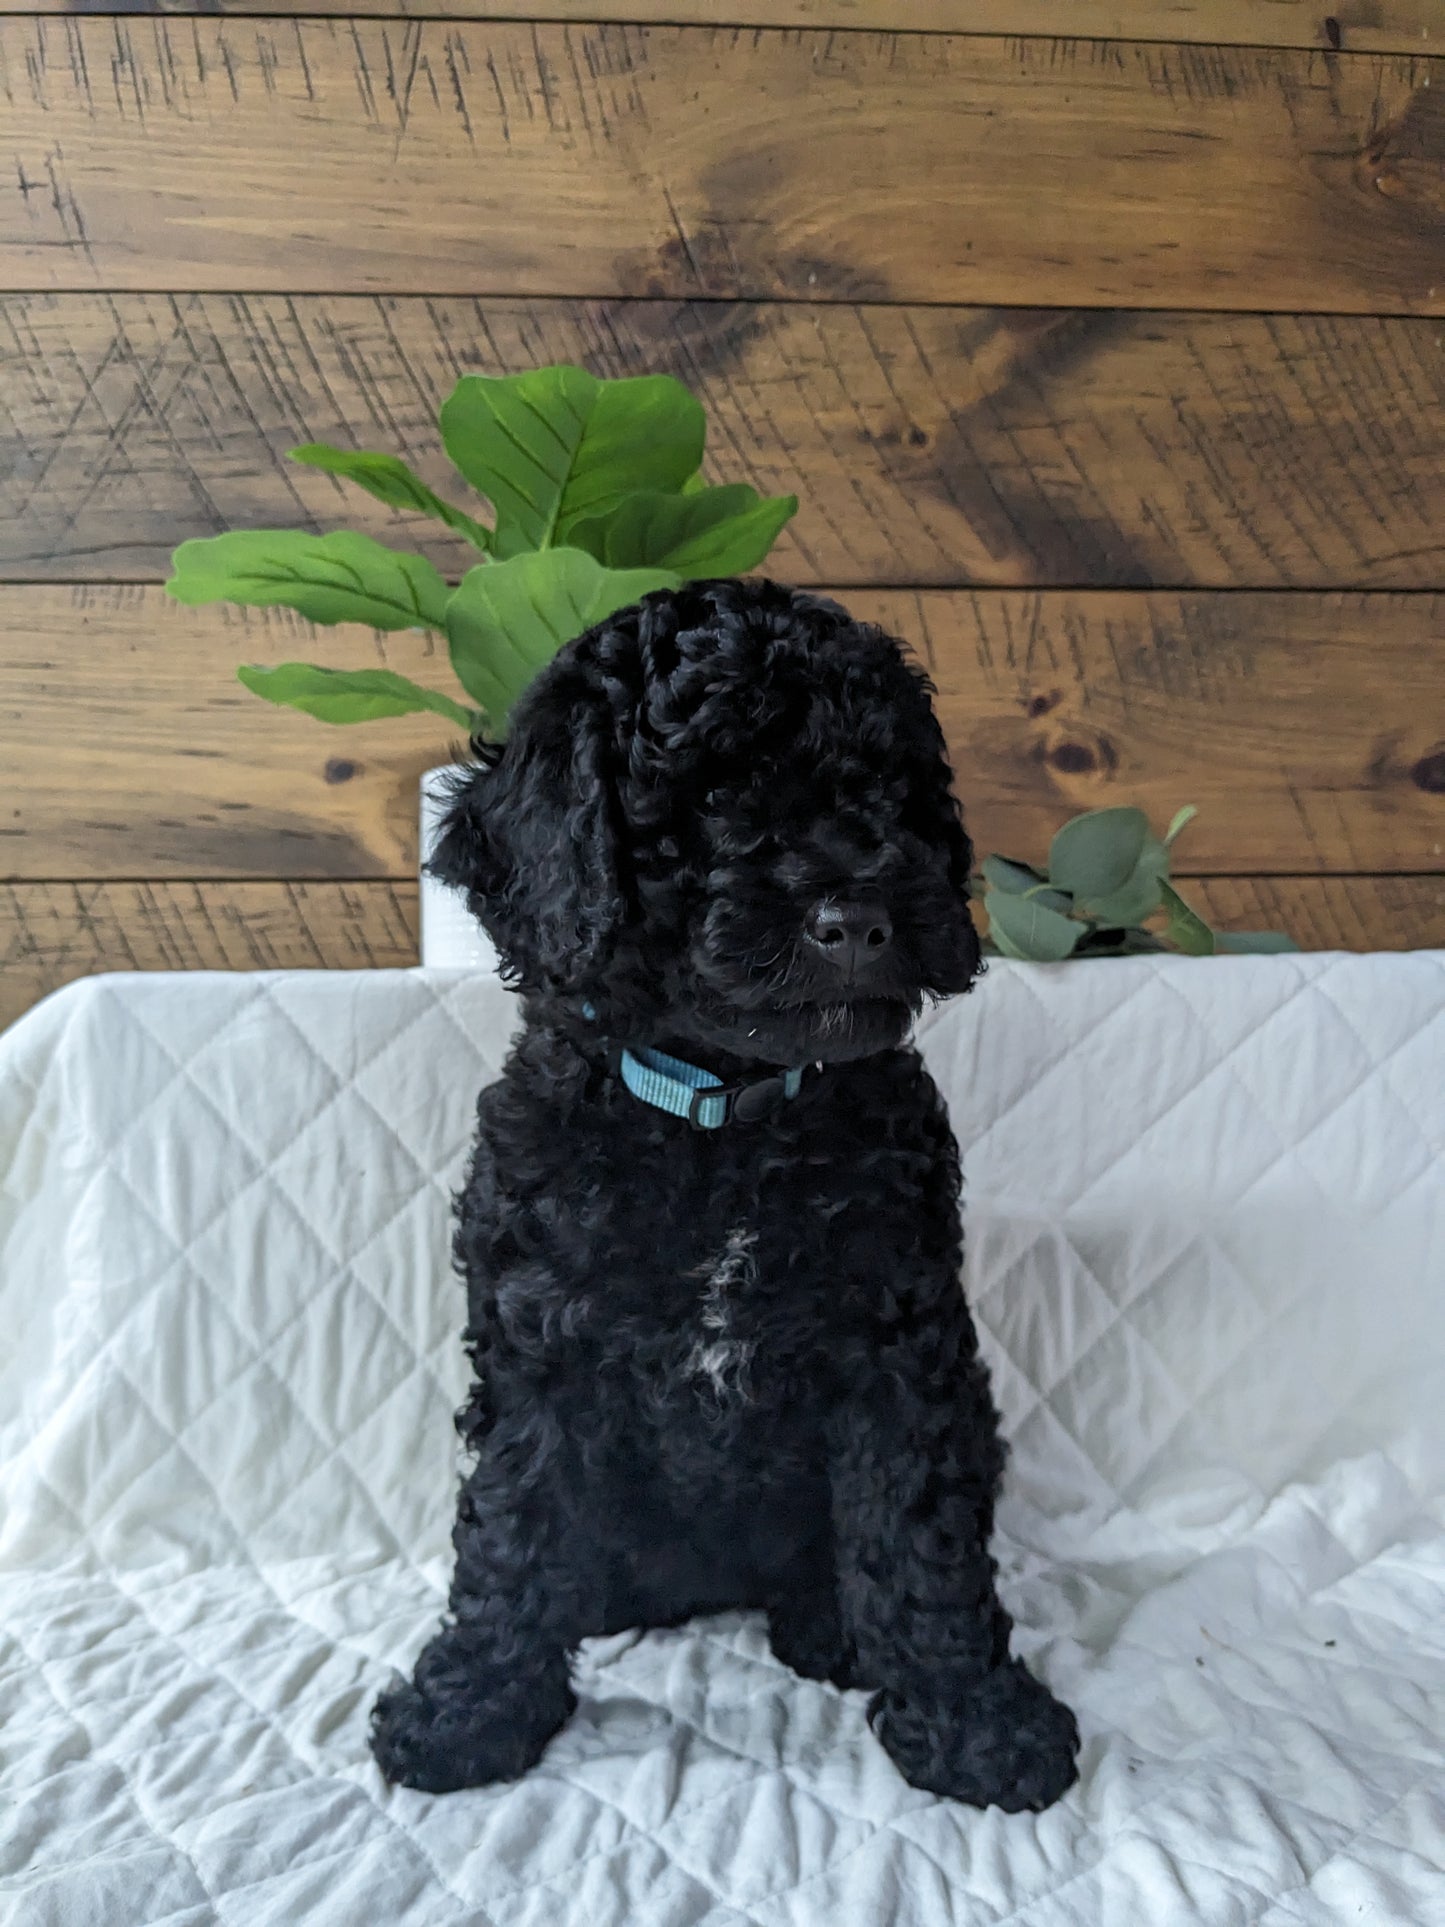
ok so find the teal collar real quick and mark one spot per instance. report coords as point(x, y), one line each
point(688, 1091)
point(704, 1100)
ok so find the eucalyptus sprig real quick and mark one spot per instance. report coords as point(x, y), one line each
point(1107, 877)
point(596, 498)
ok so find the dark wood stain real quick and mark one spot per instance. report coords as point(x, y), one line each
point(1073, 759)
point(1406, 158)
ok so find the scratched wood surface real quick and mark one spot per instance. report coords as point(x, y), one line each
point(1306, 727)
point(928, 445)
point(52, 933)
point(1354, 26)
point(523, 157)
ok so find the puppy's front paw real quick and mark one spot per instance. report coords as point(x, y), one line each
point(1005, 1742)
point(439, 1746)
point(809, 1638)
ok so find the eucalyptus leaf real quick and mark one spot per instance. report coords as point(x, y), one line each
point(329, 578)
point(556, 446)
point(1109, 924)
point(1254, 943)
point(389, 479)
point(711, 532)
point(1095, 854)
point(507, 620)
point(1002, 873)
point(1179, 819)
point(998, 940)
point(1187, 929)
point(1031, 928)
point(1051, 899)
point(349, 695)
point(1142, 895)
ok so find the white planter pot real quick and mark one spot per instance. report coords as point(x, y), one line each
point(451, 937)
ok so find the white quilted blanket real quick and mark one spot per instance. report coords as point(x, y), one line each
point(1207, 1250)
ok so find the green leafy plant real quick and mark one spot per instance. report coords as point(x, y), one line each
point(1107, 878)
point(596, 498)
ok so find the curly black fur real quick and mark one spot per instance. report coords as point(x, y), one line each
point(730, 1368)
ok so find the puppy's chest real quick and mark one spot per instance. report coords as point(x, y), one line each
point(723, 1323)
point(738, 1319)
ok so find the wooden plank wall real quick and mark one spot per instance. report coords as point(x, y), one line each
point(1110, 370)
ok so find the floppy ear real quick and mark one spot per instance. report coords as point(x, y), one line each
point(934, 780)
point(531, 839)
point(942, 824)
point(956, 837)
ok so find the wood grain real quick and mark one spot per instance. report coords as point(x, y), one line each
point(606, 159)
point(1309, 729)
point(1356, 26)
point(1330, 913)
point(928, 445)
point(152, 761)
point(52, 933)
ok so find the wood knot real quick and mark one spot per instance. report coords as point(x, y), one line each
point(1334, 33)
point(1079, 753)
point(1429, 773)
point(1405, 158)
point(339, 770)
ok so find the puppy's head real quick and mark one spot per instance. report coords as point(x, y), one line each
point(724, 817)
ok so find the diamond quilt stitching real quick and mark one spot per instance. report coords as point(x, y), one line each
point(1292, 1058)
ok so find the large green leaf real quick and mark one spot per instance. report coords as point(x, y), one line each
point(506, 620)
point(390, 480)
point(349, 695)
point(711, 531)
point(1095, 854)
point(556, 447)
point(330, 578)
point(1254, 943)
point(1024, 927)
point(1187, 930)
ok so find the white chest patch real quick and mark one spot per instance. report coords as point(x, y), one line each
point(719, 1360)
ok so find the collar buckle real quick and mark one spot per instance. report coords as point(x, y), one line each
point(747, 1103)
point(711, 1107)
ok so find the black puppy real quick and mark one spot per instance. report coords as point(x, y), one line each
point(723, 1359)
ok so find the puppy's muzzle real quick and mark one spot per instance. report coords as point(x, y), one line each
point(849, 935)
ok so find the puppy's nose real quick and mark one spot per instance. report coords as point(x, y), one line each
point(850, 935)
